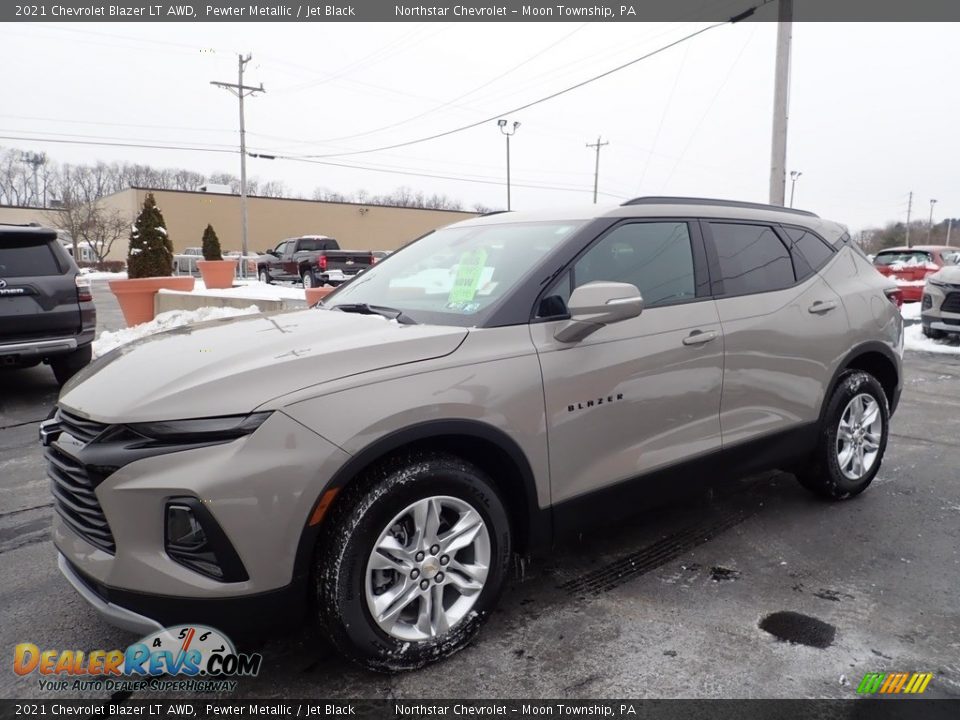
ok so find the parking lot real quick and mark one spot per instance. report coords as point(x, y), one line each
point(668, 605)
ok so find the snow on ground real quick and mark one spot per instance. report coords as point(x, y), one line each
point(164, 321)
point(914, 339)
point(910, 311)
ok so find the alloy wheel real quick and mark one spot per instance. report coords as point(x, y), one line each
point(427, 568)
point(858, 436)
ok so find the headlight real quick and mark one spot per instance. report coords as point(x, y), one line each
point(201, 429)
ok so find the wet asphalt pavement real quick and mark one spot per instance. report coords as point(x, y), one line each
point(669, 604)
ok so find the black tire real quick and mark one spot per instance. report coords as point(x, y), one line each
point(933, 334)
point(308, 279)
point(366, 508)
point(66, 366)
point(822, 474)
point(263, 275)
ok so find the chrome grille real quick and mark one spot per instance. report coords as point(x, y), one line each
point(75, 500)
point(80, 428)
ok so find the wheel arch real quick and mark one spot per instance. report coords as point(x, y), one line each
point(875, 358)
point(489, 448)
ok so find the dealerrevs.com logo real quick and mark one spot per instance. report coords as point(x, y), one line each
point(188, 657)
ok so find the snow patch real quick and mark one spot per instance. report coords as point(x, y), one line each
point(910, 311)
point(914, 339)
point(97, 275)
point(164, 321)
point(250, 290)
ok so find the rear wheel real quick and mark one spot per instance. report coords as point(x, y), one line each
point(309, 280)
point(66, 366)
point(852, 439)
point(412, 560)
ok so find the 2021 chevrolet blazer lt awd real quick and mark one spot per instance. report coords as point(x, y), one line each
point(373, 462)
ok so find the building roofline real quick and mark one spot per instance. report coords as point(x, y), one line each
point(290, 199)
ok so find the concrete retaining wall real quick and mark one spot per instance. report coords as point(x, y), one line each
point(166, 300)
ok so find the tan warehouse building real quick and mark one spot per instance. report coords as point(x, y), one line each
point(355, 226)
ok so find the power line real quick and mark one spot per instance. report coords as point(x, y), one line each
point(457, 99)
point(119, 144)
point(552, 95)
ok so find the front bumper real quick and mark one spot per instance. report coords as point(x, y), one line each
point(933, 315)
point(145, 613)
point(260, 489)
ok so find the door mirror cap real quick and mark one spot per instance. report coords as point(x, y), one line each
point(597, 304)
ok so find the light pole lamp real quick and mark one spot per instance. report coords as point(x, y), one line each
point(930, 223)
point(794, 176)
point(509, 132)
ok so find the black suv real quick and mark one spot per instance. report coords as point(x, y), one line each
point(46, 309)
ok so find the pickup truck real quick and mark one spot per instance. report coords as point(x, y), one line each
point(312, 259)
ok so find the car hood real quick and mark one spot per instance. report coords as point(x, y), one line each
point(948, 274)
point(228, 367)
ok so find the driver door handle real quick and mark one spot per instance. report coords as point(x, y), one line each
point(698, 337)
point(822, 307)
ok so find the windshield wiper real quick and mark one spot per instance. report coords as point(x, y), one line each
point(387, 312)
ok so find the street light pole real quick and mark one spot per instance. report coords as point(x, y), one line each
point(781, 101)
point(502, 124)
point(794, 175)
point(930, 223)
point(241, 91)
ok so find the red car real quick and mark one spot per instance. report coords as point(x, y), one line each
point(909, 267)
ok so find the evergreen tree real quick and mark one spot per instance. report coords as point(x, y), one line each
point(151, 252)
point(211, 245)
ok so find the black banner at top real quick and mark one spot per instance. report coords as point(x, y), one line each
point(477, 11)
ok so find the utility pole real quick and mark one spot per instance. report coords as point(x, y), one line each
point(930, 223)
point(509, 133)
point(909, 209)
point(241, 91)
point(35, 160)
point(949, 228)
point(596, 169)
point(781, 99)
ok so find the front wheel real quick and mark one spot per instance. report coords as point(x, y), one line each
point(852, 440)
point(411, 562)
point(933, 334)
point(264, 276)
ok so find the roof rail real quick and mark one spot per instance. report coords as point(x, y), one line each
point(666, 200)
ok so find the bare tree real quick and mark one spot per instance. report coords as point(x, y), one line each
point(83, 217)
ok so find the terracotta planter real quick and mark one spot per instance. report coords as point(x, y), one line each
point(136, 295)
point(316, 294)
point(217, 274)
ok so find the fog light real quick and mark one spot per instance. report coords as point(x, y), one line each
point(194, 539)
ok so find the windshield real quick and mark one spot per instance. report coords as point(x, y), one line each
point(456, 275)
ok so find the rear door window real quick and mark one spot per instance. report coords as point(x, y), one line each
point(752, 259)
point(27, 258)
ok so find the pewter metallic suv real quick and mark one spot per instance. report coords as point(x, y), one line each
point(375, 461)
point(940, 309)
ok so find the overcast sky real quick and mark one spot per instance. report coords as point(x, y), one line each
point(873, 109)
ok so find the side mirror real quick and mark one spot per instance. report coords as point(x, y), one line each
point(596, 304)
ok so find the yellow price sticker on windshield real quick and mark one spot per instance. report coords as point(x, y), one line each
point(469, 270)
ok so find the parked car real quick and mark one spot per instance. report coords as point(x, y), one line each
point(394, 447)
point(909, 267)
point(313, 260)
point(185, 263)
point(940, 310)
point(46, 308)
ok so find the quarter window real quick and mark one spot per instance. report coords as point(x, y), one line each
point(810, 253)
point(752, 259)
